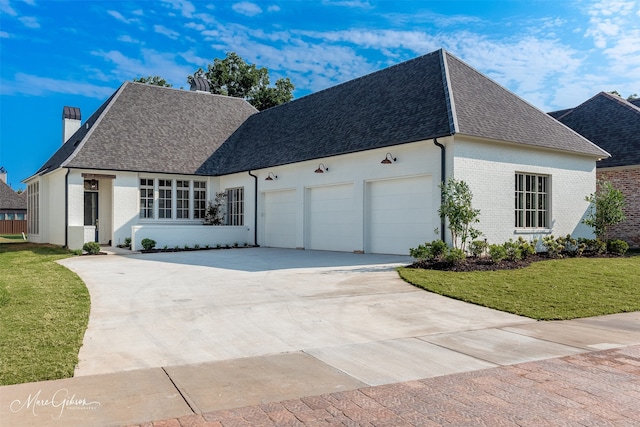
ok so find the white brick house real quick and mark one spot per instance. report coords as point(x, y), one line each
point(355, 167)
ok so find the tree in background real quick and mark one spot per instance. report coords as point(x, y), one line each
point(457, 209)
point(631, 97)
point(233, 76)
point(153, 80)
point(606, 208)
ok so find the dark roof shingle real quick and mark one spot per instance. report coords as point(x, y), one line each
point(610, 122)
point(10, 200)
point(152, 129)
point(407, 102)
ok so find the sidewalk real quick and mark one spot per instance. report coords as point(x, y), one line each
point(579, 372)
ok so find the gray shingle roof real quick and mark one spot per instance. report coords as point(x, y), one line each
point(9, 199)
point(153, 129)
point(610, 122)
point(407, 102)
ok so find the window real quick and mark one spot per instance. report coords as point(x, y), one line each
point(532, 201)
point(20, 216)
point(33, 208)
point(182, 199)
point(1, 216)
point(235, 206)
point(146, 198)
point(165, 196)
point(199, 199)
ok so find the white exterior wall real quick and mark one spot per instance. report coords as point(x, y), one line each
point(356, 169)
point(54, 215)
point(170, 236)
point(125, 206)
point(490, 169)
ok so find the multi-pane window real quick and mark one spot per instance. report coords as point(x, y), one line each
point(33, 208)
point(182, 199)
point(146, 198)
point(235, 206)
point(532, 201)
point(165, 197)
point(199, 199)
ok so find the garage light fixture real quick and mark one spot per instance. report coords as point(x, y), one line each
point(321, 168)
point(388, 159)
point(271, 177)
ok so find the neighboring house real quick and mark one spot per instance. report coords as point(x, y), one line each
point(13, 208)
point(355, 167)
point(613, 124)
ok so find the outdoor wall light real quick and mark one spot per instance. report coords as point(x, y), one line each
point(388, 159)
point(271, 177)
point(321, 168)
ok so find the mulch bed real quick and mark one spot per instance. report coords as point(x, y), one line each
point(485, 264)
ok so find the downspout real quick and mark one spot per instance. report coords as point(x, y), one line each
point(66, 209)
point(443, 177)
point(255, 208)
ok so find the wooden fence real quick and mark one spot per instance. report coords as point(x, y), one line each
point(15, 226)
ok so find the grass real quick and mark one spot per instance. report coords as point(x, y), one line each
point(44, 311)
point(11, 238)
point(547, 290)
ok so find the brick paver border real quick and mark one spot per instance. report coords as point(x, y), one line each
point(589, 389)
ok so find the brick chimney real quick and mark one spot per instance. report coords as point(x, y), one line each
point(71, 122)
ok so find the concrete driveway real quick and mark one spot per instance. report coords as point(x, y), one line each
point(350, 311)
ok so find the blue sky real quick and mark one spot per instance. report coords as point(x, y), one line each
point(555, 54)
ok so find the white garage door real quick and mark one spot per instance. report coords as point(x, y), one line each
point(399, 215)
point(280, 219)
point(330, 218)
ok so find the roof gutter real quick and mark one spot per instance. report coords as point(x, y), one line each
point(255, 208)
point(443, 177)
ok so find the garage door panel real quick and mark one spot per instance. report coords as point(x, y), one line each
point(331, 219)
point(280, 219)
point(398, 214)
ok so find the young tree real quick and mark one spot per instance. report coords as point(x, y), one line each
point(233, 76)
point(606, 208)
point(153, 80)
point(457, 209)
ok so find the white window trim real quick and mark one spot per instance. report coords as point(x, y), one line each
point(534, 229)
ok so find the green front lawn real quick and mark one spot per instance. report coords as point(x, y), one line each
point(546, 290)
point(44, 311)
point(11, 238)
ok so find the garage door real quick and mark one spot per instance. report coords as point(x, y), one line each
point(398, 215)
point(280, 219)
point(330, 218)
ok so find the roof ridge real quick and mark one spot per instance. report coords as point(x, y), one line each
point(91, 127)
point(620, 100)
point(190, 92)
point(451, 105)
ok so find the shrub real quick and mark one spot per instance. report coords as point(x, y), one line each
point(554, 246)
point(196, 246)
point(593, 245)
point(455, 256)
point(92, 248)
point(148, 244)
point(527, 249)
point(497, 253)
point(127, 242)
point(77, 251)
point(477, 248)
point(429, 251)
point(456, 207)
point(618, 247)
point(512, 250)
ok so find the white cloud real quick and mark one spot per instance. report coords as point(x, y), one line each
point(28, 84)
point(4, 35)
point(246, 8)
point(127, 39)
point(195, 26)
point(274, 8)
point(117, 15)
point(160, 29)
point(29, 21)
point(186, 8)
point(5, 7)
point(358, 4)
point(148, 62)
point(138, 12)
point(30, 2)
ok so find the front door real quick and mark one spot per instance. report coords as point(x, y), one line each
point(91, 209)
